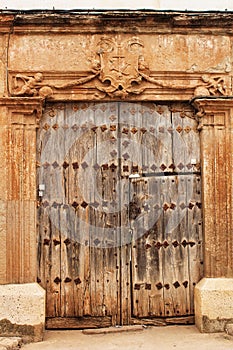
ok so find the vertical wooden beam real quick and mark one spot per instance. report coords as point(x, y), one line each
point(216, 153)
point(18, 120)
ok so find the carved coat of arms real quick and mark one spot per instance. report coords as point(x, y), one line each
point(120, 64)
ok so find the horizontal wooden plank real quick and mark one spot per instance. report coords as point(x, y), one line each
point(117, 329)
point(163, 321)
point(181, 320)
point(149, 321)
point(78, 322)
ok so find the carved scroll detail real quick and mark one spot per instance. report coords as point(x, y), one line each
point(214, 86)
point(76, 82)
point(31, 86)
point(211, 86)
point(118, 69)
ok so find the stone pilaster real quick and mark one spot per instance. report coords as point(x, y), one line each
point(18, 189)
point(18, 258)
point(216, 122)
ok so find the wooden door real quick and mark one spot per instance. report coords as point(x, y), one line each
point(166, 255)
point(119, 223)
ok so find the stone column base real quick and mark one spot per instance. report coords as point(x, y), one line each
point(213, 298)
point(22, 311)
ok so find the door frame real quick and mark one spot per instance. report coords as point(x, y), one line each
point(22, 116)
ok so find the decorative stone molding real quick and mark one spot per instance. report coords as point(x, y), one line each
point(105, 85)
point(119, 70)
point(214, 86)
point(151, 22)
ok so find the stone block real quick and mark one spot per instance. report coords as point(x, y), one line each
point(22, 311)
point(11, 343)
point(213, 304)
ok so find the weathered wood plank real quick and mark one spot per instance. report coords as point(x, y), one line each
point(194, 219)
point(130, 139)
point(78, 322)
point(181, 320)
point(49, 218)
point(163, 321)
point(106, 213)
point(146, 255)
point(119, 329)
point(176, 273)
point(149, 321)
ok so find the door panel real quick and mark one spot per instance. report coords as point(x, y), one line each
point(78, 213)
point(166, 258)
point(119, 218)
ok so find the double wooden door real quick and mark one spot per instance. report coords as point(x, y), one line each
point(119, 212)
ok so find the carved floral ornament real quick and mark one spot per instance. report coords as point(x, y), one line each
point(118, 69)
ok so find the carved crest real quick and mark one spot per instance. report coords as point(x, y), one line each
point(119, 66)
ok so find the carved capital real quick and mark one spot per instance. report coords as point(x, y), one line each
point(26, 111)
point(213, 112)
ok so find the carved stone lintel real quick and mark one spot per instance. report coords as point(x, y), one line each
point(118, 70)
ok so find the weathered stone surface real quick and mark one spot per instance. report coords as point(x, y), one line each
point(165, 52)
point(22, 311)
point(12, 343)
point(73, 62)
point(215, 127)
point(18, 119)
point(213, 304)
point(3, 62)
point(229, 329)
point(3, 239)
